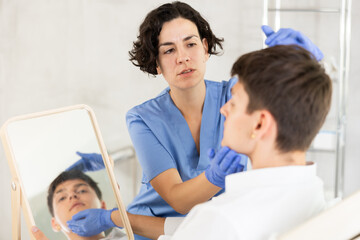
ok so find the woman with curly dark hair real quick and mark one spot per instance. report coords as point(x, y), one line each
point(173, 132)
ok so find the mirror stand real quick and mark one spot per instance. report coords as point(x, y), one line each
point(18, 203)
point(15, 209)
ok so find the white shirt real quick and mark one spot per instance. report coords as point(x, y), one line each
point(257, 204)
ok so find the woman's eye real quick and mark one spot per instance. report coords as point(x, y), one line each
point(169, 51)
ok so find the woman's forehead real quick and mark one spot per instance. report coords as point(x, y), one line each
point(177, 28)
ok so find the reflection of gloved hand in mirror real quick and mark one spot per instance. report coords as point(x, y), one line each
point(287, 36)
point(91, 222)
point(223, 163)
point(88, 162)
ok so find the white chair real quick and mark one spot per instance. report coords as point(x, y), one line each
point(341, 221)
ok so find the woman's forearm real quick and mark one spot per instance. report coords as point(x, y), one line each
point(150, 227)
point(182, 196)
point(185, 195)
point(146, 226)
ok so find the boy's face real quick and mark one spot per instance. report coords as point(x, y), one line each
point(239, 124)
point(71, 197)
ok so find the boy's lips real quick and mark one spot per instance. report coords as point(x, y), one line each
point(75, 205)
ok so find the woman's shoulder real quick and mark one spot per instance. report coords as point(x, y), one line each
point(221, 84)
point(152, 106)
point(222, 89)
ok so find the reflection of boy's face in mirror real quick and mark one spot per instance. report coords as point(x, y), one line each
point(71, 197)
point(70, 193)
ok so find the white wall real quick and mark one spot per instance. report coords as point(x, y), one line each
point(352, 151)
point(60, 53)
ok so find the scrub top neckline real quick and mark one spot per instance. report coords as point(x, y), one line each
point(206, 135)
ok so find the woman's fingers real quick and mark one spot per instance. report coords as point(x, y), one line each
point(39, 235)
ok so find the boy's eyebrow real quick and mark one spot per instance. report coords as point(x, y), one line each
point(171, 43)
point(59, 191)
point(76, 186)
point(81, 184)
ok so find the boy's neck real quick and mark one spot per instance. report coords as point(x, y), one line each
point(270, 157)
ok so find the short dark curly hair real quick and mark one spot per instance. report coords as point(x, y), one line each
point(145, 49)
point(70, 175)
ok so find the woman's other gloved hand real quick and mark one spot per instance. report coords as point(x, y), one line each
point(288, 36)
point(91, 222)
point(88, 162)
point(223, 163)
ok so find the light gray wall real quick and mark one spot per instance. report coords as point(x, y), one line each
point(60, 53)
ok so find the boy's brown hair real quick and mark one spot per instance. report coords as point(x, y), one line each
point(292, 86)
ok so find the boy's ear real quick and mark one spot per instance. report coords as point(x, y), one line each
point(264, 124)
point(55, 225)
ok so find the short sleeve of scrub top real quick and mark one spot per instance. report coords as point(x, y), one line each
point(162, 140)
point(152, 154)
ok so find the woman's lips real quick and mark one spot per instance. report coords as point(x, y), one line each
point(186, 72)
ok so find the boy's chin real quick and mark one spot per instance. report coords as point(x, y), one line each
point(225, 143)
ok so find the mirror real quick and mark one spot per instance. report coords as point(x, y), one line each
point(50, 140)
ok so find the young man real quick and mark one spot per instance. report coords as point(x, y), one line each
point(72, 192)
point(278, 105)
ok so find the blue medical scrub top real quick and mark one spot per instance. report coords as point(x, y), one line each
point(162, 140)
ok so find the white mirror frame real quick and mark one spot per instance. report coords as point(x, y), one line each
point(18, 197)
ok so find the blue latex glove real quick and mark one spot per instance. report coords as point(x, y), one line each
point(91, 222)
point(88, 162)
point(242, 164)
point(225, 162)
point(287, 36)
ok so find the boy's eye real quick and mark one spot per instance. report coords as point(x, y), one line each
point(82, 191)
point(231, 102)
point(61, 199)
point(191, 44)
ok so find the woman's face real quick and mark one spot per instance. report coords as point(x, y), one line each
point(238, 125)
point(182, 54)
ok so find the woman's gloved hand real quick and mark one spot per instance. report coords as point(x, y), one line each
point(88, 162)
point(288, 36)
point(91, 222)
point(223, 163)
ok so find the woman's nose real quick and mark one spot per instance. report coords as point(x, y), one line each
point(182, 56)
